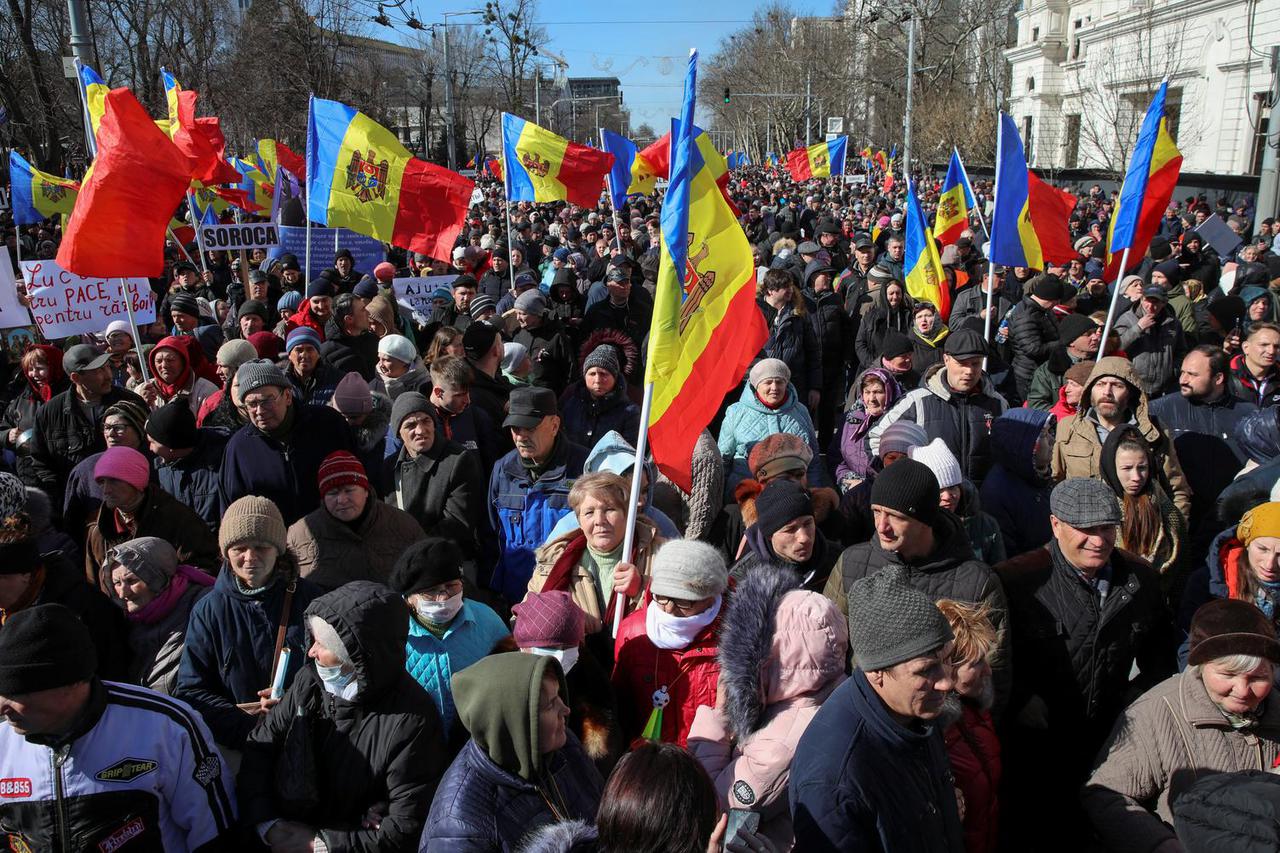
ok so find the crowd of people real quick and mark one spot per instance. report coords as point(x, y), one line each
point(303, 566)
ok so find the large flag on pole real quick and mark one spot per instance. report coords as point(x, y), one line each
point(820, 160)
point(200, 139)
point(272, 154)
point(706, 326)
point(126, 203)
point(36, 195)
point(921, 265)
point(95, 94)
point(360, 177)
point(628, 174)
point(541, 166)
point(1147, 189)
point(954, 203)
point(1031, 221)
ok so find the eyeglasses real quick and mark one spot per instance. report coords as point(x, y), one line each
point(681, 606)
point(263, 402)
point(443, 592)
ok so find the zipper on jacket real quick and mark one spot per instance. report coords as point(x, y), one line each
point(56, 759)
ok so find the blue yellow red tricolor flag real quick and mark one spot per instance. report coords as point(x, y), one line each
point(95, 93)
point(1147, 189)
point(706, 326)
point(541, 166)
point(127, 201)
point(820, 160)
point(36, 195)
point(1031, 221)
point(273, 155)
point(921, 265)
point(954, 203)
point(360, 177)
point(881, 159)
point(257, 187)
point(629, 173)
point(200, 139)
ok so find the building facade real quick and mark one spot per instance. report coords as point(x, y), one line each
point(1083, 73)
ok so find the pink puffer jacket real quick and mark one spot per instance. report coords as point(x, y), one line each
point(803, 649)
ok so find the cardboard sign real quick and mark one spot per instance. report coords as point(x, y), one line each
point(249, 235)
point(366, 251)
point(415, 293)
point(1219, 235)
point(65, 304)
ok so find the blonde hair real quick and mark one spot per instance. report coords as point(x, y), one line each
point(606, 486)
point(975, 636)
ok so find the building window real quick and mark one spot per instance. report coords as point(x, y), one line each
point(1035, 34)
point(1075, 48)
point(1071, 143)
point(1027, 141)
point(1079, 23)
point(1031, 84)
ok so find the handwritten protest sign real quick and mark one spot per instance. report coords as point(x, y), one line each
point(248, 235)
point(415, 293)
point(63, 303)
point(365, 251)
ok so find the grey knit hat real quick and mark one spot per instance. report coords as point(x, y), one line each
point(604, 356)
point(531, 302)
point(891, 622)
point(235, 353)
point(259, 373)
point(1084, 502)
point(252, 519)
point(688, 570)
point(151, 558)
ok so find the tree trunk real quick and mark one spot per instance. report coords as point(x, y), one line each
point(48, 155)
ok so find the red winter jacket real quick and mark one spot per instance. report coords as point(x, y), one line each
point(690, 675)
point(974, 751)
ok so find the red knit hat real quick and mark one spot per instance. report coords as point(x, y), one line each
point(341, 468)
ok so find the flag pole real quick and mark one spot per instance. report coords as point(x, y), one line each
point(310, 113)
point(1115, 297)
point(181, 248)
point(608, 183)
point(133, 327)
point(196, 223)
point(633, 504)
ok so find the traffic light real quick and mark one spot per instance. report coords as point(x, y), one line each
point(726, 94)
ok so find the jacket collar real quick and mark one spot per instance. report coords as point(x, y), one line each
point(873, 710)
point(1200, 712)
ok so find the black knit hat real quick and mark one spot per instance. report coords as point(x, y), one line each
point(477, 339)
point(426, 563)
point(1047, 286)
point(185, 303)
point(44, 647)
point(173, 425)
point(1073, 326)
point(782, 501)
point(252, 306)
point(908, 487)
point(894, 345)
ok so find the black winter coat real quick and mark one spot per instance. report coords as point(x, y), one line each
point(348, 353)
point(792, 339)
point(586, 418)
point(875, 325)
point(551, 352)
point(1033, 332)
point(832, 327)
point(381, 750)
point(64, 584)
point(67, 434)
point(443, 489)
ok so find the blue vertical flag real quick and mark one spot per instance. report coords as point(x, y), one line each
point(1128, 208)
point(624, 156)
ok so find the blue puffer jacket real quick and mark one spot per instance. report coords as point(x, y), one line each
point(227, 657)
point(257, 464)
point(481, 807)
point(194, 479)
point(524, 511)
point(1012, 493)
point(862, 781)
point(432, 661)
point(749, 421)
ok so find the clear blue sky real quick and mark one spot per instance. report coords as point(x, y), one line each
point(641, 44)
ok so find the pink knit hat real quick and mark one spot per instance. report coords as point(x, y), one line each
point(384, 271)
point(352, 396)
point(548, 619)
point(126, 464)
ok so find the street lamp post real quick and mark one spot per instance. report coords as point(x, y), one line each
point(452, 157)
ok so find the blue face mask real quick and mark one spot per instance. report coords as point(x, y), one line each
point(335, 680)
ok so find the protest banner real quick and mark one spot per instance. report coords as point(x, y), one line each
point(1219, 235)
point(64, 304)
point(415, 293)
point(12, 312)
point(366, 252)
point(248, 235)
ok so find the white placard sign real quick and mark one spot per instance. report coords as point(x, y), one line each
point(12, 312)
point(64, 304)
point(415, 293)
point(248, 235)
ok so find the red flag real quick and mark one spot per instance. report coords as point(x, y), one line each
point(1051, 210)
point(433, 208)
point(201, 139)
point(126, 203)
point(290, 161)
point(239, 198)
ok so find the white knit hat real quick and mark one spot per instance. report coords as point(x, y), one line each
point(398, 347)
point(689, 570)
point(939, 459)
point(769, 368)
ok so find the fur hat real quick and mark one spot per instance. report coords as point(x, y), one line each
point(778, 453)
point(1227, 626)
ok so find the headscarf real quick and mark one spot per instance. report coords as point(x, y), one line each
point(57, 377)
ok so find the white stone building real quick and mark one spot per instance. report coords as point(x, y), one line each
point(1083, 72)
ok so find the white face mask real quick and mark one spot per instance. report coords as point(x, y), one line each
point(667, 631)
point(567, 657)
point(339, 683)
point(439, 612)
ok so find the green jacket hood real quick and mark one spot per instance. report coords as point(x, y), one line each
point(497, 700)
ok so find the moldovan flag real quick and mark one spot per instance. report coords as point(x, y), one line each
point(1147, 189)
point(706, 326)
point(628, 174)
point(954, 203)
point(272, 154)
point(821, 160)
point(1031, 221)
point(657, 156)
point(128, 197)
point(921, 265)
point(95, 94)
point(37, 195)
point(360, 177)
point(541, 166)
